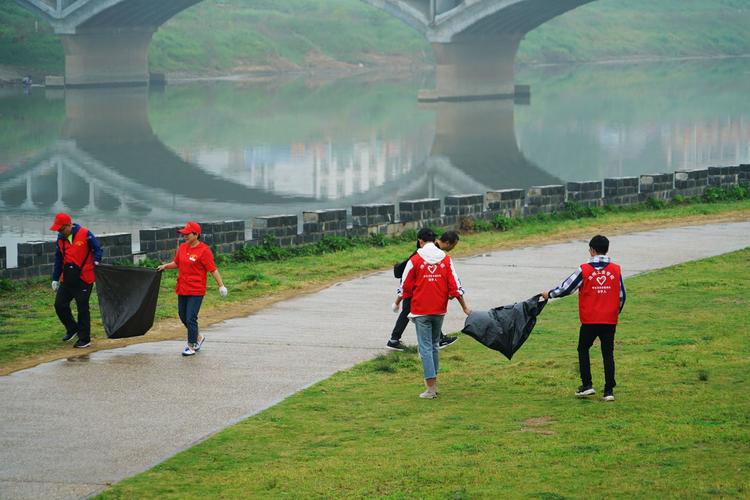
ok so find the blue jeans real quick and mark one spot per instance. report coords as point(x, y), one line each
point(428, 338)
point(188, 307)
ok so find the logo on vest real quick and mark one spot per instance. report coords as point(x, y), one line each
point(432, 268)
point(601, 277)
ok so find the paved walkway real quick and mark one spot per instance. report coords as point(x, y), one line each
point(70, 427)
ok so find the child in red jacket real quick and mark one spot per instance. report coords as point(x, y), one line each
point(429, 279)
point(600, 301)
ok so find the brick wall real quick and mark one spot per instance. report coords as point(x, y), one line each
point(319, 223)
point(723, 176)
point(508, 202)
point(587, 193)
point(621, 191)
point(690, 182)
point(658, 186)
point(544, 199)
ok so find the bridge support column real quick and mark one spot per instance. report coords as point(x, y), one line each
point(107, 57)
point(474, 68)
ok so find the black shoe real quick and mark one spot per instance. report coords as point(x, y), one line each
point(395, 345)
point(445, 341)
point(609, 395)
point(585, 390)
point(81, 344)
point(69, 336)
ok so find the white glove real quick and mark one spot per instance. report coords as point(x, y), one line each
point(55, 284)
point(223, 291)
point(395, 307)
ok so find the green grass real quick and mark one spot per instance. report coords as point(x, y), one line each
point(679, 427)
point(28, 325)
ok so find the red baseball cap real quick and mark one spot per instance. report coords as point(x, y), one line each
point(61, 219)
point(190, 227)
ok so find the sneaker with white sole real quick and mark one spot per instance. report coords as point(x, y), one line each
point(608, 395)
point(445, 341)
point(81, 344)
point(188, 350)
point(395, 345)
point(585, 390)
point(199, 344)
point(69, 336)
point(428, 394)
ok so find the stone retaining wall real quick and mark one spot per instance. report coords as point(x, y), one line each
point(36, 258)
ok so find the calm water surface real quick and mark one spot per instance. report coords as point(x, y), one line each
point(123, 159)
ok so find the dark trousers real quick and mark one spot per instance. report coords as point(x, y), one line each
point(586, 336)
point(188, 307)
point(81, 295)
point(403, 320)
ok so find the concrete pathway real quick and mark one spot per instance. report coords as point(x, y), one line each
point(71, 427)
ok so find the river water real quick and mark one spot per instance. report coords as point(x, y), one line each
point(124, 159)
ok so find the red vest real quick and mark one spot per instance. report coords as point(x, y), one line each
point(599, 296)
point(431, 285)
point(77, 252)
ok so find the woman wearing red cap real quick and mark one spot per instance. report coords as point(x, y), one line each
point(194, 260)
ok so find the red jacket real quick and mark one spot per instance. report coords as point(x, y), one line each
point(429, 279)
point(78, 253)
point(599, 296)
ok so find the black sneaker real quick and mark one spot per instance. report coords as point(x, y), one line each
point(609, 395)
point(81, 344)
point(445, 341)
point(585, 390)
point(395, 345)
point(69, 336)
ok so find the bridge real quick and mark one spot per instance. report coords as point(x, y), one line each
point(474, 41)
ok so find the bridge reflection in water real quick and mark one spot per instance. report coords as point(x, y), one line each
point(113, 172)
point(110, 160)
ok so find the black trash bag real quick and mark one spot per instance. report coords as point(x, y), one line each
point(504, 328)
point(127, 299)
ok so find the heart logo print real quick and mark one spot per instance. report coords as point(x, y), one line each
point(601, 279)
point(431, 268)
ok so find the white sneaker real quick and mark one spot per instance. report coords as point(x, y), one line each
point(200, 343)
point(428, 394)
point(188, 351)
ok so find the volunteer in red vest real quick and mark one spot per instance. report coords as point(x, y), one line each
point(600, 301)
point(194, 260)
point(429, 279)
point(77, 253)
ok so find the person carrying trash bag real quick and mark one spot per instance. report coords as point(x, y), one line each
point(446, 243)
point(193, 260)
point(429, 279)
point(600, 302)
point(77, 252)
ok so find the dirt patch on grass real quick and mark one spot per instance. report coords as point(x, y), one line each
point(172, 329)
point(538, 425)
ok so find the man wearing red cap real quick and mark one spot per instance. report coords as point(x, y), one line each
point(194, 260)
point(77, 253)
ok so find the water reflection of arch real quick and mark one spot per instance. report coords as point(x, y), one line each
point(113, 162)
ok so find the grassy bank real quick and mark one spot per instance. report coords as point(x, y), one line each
point(223, 36)
point(31, 332)
point(679, 427)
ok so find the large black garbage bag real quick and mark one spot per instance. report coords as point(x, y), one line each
point(127, 299)
point(504, 328)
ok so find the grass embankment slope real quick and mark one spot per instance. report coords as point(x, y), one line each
point(680, 427)
point(225, 36)
point(31, 332)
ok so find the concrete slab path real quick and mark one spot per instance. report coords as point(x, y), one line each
point(71, 427)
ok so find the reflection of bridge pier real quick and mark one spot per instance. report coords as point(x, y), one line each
point(475, 146)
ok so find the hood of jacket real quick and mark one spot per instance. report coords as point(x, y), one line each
point(431, 253)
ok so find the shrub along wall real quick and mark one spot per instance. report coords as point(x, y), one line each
point(376, 221)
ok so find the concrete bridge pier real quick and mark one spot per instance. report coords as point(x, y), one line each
point(105, 57)
point(474, 68)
